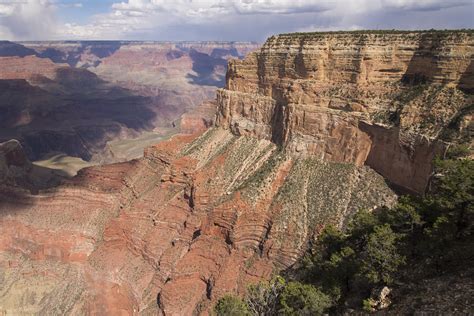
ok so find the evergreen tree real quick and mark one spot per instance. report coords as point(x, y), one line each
point(299, 299)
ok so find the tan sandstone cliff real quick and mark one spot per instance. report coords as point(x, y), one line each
point(375, 98)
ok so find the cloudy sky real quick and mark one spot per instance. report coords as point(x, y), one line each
point(219, 19)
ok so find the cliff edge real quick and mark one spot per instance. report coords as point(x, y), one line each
point(390, 100)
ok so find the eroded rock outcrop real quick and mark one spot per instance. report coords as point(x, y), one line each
point(13, 160)
point(198, 119)
point(174, 231)
point(378, 98)
point(17, 171)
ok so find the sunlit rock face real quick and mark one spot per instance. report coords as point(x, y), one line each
point(74, 97)
point(293, 148)
point(382, 99)
point(199, 118)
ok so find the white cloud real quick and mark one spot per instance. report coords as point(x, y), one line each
point(225, 19)
point(6, 9)
point(205, 8)
point(27, 19)
point(281, 7)
point(425, 5)
point(315, 28)
point(31, 19)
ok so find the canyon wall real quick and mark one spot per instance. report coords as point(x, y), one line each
point(197, 217)
point(75, 97)
point(378, 98)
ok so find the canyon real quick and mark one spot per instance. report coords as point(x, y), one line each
point(308, 130)
point(73, 98)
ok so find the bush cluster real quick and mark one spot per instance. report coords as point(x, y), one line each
point(275, 297)
point(420, 236)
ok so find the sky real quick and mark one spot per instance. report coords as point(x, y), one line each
point(228, 20)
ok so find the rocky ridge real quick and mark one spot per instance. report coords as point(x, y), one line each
point(16, 170)
point(375, 98)
point(13, 161)
point(174, 231)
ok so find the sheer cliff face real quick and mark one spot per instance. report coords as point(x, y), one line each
point(380, 99)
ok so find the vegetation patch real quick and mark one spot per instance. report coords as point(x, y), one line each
point(258, 180)
point(243, 155)
point(418, 238)
point(199, 142)
point(275, 297)
point(433, 110)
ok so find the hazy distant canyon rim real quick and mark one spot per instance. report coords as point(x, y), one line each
point(80, 98)
point(306, 131)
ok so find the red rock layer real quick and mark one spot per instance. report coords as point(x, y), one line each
point(27, 67)
point(169, 233)
point(198, 119)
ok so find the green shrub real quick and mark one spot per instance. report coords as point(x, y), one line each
point(303, 299)
point(458, 151)
point(431, 233)
point(368, 305)
point(380, 258)
point(263, 297)
point(231, 305)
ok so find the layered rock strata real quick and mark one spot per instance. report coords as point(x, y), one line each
point(75, 98)
point(170, 233)
point(198, 119)
point(375, 98)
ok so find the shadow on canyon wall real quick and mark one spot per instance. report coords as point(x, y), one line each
point(414, 161)
point(423, 66)
point(466, 83)
point(76, 113)
point(9, 49)
point(387, 155)
point(22, 194)
point(14, 200)
point(100, 49)
point(455, 129)
point(210, 69)
point(71, 56)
